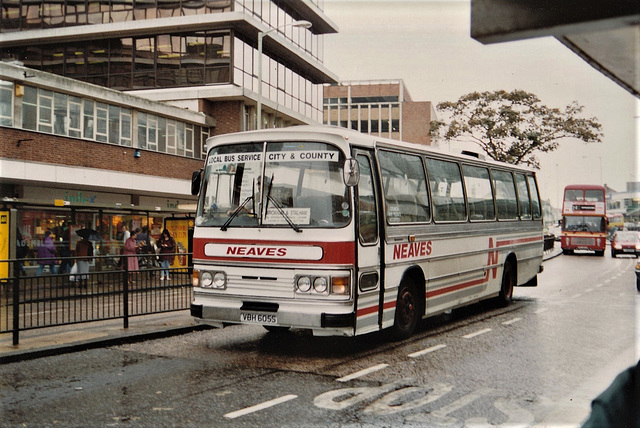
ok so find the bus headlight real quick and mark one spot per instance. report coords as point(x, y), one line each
point(320, 284)
point(206, 279)
point(303, 284)
point(220, 280)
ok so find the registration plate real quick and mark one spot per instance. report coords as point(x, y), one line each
point(258, 318)
point(629, 250)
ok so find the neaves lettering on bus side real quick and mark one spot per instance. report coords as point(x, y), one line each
point(411, 250)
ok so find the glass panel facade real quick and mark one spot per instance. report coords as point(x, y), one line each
point(303, 97)
point(160, 61)
point(28, 15)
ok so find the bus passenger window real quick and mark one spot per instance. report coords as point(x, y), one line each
point(479, 193)
point(535, 200)
point(405, 188)
point(506, 201)
point(445, 183)
point(523, 197)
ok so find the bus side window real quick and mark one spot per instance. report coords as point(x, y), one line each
point(405, 188)
point(445, 183)
point(367, 212)
point(535, 199)
point(479, 193)
point(523, 197)
point(506, 201)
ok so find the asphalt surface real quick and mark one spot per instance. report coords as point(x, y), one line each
point(48, 341)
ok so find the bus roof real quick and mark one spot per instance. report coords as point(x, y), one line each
point(346, 135)
point(584, 187)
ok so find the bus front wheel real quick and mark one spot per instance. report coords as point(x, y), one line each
point(407, 311)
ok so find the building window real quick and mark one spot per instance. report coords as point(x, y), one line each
point(6, 103)
point(68, 115)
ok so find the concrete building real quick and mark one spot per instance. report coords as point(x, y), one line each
point(382, 108)
point(626, 203)
point(105, 107)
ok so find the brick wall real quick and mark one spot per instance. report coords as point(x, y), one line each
point(74, 152)
point(228, 115)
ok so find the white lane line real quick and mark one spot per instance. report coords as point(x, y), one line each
point(511, 321)
point(540, 311)
point(477, 333)
point(362, 373)
point(599, 285)
point(575, 296)
point(588, 290)
point(260, 406)
point(426, 351)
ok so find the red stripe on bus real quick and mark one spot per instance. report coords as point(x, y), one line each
point(518, 241)
point(367, 311)
point(457, 287)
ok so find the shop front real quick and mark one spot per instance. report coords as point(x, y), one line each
point(59, 213)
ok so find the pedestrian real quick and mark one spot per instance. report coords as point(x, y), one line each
point(144, 245)
point(129, 252)
point(22, 251)
point(47, 254)
point(84, 254)
point(65, 250)
point(124, 235)
point(167, 246)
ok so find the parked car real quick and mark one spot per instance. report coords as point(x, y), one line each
point(638, 276)
point(625, 242)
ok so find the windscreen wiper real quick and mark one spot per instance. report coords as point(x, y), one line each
point(279, 208)
point(235, 213)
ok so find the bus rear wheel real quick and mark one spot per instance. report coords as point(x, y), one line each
point(407, 312)
point(508, 282)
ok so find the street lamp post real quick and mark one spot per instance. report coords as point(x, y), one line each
point(261, 35)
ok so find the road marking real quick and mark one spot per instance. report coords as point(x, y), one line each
point(599, 285)
point(588, 290)
point(426, 351)
point(362, 373)
point(575, 296)
point(260, 406)
point(477, 333)
point(539, 311)
point(511, 321)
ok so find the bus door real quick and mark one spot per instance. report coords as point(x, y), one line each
point(368, 290)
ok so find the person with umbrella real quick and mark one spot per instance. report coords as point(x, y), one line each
point(84, 253)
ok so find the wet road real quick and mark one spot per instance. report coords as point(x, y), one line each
point(537, 362)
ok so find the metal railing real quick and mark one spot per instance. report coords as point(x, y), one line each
point(107, 292)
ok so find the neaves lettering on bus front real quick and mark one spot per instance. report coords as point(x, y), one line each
point(252, 251)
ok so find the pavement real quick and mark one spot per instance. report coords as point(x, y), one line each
point(49, 341)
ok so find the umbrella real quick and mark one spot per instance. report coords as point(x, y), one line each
point(89, 234)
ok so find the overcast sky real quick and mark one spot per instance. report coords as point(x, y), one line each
point(427, 44)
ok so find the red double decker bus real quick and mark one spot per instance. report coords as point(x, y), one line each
point(584, 219)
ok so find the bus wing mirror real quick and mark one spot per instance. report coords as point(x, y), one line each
point(195, 181)
point(351, 172)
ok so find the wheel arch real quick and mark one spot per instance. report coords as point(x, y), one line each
point(416, 276)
